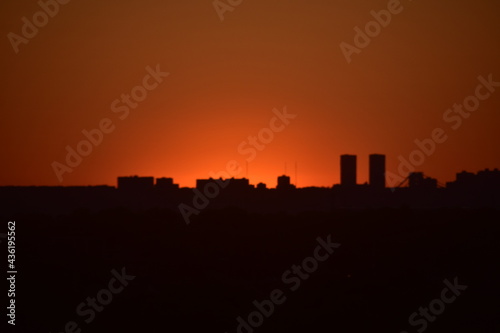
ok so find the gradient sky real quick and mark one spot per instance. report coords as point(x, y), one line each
point(227, 76)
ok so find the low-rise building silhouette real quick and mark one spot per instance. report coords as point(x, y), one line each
point(231, 184)
point(166, 184)
point(135, 183)
point(417, 180)
point(484, 179)
point(261, 186)
point(284, 183)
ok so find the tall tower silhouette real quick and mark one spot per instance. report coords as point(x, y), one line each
point(348, 170)
point(377, 171)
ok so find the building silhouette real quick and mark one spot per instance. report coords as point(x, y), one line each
point(166, 184)
point(284, 183)
point(468, 181)
point(231, 184)
point(418, 181)
point(348, 170)
point(135, 183)
point(261, 186)
point(377, 170)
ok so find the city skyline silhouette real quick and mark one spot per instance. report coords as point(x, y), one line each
point(377, 175)
point(416, 190)
point(242, 166)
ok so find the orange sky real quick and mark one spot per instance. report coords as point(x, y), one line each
point(226, 77)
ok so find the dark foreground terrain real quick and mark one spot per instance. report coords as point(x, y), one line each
point(385, 265)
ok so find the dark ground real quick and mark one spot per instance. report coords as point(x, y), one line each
point(201, 277)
